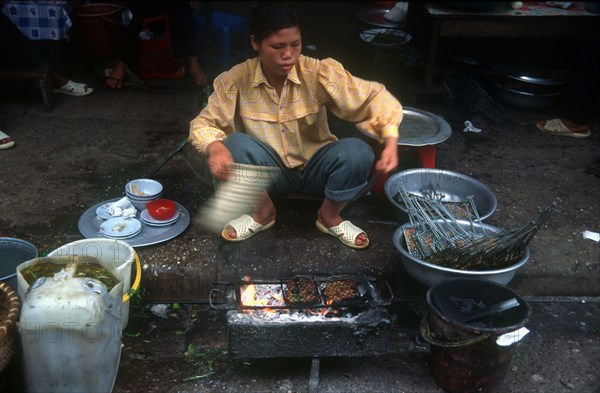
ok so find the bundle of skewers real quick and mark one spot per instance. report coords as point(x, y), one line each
point(437, 236)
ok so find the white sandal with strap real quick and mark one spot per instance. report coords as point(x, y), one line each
point(346, 232)
point(245, 227)
point(6, 142)
point(74, 89)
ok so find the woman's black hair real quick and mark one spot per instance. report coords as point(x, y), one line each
point(271, 16)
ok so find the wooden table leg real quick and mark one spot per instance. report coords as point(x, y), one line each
point(434, 36)
point(47, 89)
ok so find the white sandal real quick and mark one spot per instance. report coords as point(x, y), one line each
point(6, 142)
point(74, 89)
point(346, 232)
point(245, 227)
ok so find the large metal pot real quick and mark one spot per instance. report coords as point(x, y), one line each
point(455, 186)
point(522, 93)
point(430, 274)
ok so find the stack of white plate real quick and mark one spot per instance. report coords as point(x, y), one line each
point(120, 228)
point(147, 219)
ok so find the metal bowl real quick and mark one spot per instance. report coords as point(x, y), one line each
point(456, 187)
point(430, 274)
point(13, 252)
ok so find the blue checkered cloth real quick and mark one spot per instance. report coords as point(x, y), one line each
point(40, 20)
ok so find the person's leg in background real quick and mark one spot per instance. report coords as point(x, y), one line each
point(129, 45)
point(580, 97)
point(185, 39)
point(18, 51)
point(15, 51)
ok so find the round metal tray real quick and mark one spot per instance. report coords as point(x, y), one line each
point(421, 128)
point(89, 226)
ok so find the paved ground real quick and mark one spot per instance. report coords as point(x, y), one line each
point(86, 149)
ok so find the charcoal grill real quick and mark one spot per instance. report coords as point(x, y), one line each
point(307, 326)
point(306, 317)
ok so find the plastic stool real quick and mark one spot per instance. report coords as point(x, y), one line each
point(225, 26)
point(426, 154)
point(426, 159)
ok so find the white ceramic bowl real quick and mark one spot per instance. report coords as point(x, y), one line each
point(143, 190)
point(141, 205)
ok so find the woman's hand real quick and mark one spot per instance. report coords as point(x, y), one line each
point(220, 160)
point(388, 160)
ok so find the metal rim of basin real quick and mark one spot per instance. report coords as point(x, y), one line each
point(390, 187)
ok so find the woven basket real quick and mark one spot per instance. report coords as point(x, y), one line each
point(9, 315)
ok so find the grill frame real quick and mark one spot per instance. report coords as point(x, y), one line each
point(365, 334)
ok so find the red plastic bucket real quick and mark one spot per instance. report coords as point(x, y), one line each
point(99, 28)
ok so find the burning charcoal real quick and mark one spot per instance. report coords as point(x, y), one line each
point(261, 295)
point(337, 291)
point(301, 291)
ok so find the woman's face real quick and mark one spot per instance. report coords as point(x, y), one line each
point(279, 52)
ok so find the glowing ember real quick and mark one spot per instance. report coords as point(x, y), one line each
point(261, 295)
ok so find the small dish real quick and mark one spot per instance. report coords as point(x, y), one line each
point(122, 237)
point(120, 227)
point(103, 211)
point(147, 219)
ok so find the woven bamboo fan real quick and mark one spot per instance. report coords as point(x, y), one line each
point(9, 315)
point(236, 196)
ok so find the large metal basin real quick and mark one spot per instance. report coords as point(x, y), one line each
point(456, 187)
point(430, 274)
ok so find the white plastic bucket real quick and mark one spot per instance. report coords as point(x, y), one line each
point(115, 253)
point(70, 331)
